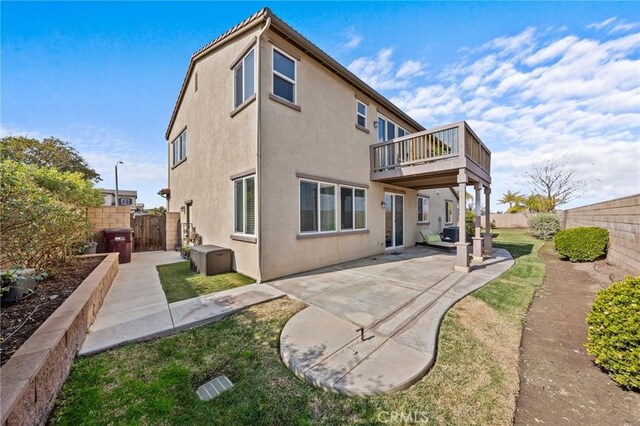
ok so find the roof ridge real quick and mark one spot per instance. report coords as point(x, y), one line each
point(258, 14)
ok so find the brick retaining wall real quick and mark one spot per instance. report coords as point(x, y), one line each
point(32, 377)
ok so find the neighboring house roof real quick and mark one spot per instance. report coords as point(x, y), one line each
point(120, 192)
point(291, 35)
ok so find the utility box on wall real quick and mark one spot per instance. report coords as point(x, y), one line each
point(211, 260)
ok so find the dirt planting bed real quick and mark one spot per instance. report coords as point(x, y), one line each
point(18, 321)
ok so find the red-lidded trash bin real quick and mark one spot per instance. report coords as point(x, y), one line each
point(119, 240)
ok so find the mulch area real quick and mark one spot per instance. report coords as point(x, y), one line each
point(18, 321)
point(559, 383)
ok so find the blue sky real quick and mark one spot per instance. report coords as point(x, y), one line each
point(536, 81)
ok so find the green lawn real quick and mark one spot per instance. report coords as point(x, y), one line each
point(474, 380)
point(179, 282)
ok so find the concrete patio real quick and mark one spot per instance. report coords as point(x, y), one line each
point(136, 308)
point(398, 298)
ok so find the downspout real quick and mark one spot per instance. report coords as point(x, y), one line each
point(259, 144)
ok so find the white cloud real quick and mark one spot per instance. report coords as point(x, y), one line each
point(615, 25)
point(541, 95)
point(379, 73)
point(410, 68)
point(601, 25)
point(353, 39)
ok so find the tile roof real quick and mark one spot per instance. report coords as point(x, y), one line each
point(309, 48)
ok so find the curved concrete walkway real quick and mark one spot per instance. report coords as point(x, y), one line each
point(399, 299)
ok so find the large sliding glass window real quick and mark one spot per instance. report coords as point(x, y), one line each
point(352, 208)
point(317, 206)
point(243, 79)
point(244, 205)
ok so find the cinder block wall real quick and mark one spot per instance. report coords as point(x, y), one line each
point(506, 220)
point(622, 218)
point(108, 217)
point(172, 230)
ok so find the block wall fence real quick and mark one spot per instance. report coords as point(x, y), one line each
point(622, 218)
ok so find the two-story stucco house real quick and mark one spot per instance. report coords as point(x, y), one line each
point(280, 153)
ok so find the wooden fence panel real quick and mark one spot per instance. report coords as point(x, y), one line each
point(149, 232)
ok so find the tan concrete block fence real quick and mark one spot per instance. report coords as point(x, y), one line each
point(622, 218)
point(108, 217)
point(33, 376)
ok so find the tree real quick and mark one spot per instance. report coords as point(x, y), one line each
point(42, 214)
point(556, 182)
point(50, 152)
point(510, 198)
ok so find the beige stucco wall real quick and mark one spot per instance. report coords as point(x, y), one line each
point(320, 140)
point(218, 146)
point(437, 222)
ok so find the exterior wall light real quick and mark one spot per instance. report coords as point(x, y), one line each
point(383, 204)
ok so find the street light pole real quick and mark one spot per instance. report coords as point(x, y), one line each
point(117, 198)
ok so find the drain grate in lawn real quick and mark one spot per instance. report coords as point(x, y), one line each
point(213, 388)
point(179, 282)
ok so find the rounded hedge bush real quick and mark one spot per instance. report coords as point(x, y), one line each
point(614, 331)
point(544, 225)
point(583, 244)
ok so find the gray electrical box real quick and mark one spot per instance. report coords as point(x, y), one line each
point(211, 260)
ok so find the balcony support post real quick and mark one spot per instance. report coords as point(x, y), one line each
point(462, 246)
point(477, 239)
point(488, 242)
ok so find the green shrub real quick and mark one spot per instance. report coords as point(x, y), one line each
point(614, 331)
point(42, 216)
point(470, 225)
point(544, 225)
point(583, 244)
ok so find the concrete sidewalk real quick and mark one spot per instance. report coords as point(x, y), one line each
point(398, 298)
point(136, 308)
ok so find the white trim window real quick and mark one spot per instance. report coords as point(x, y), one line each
point(388, 130)
point(448, 212)
point(244, 201)
point(179, 148)
point(423, 210)
point(361, 114)
point(318, 210)
point(124, 201)
point(283, 68)
point(353, 208)
point(244, 79)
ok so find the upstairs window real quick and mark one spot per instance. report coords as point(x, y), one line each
point(284, 76)
point(361, 114)
point(243, 79)
point(388, 130)
point(423, 209)
point(179, 148)
point(124, 201)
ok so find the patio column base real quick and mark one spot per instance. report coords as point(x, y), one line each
point(462, 257)
point(487, 250)
point(477, 249)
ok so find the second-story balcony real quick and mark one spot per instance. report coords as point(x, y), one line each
point(432, 158)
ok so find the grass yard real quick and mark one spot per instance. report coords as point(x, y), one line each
point(179, 282)
point(474, 380)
